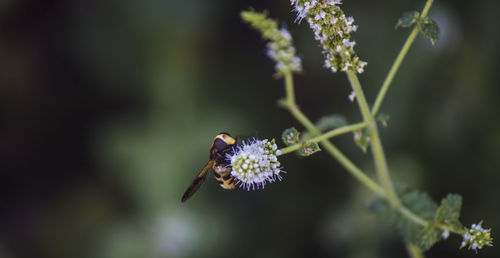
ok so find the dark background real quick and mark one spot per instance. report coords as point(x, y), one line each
point(108, 109)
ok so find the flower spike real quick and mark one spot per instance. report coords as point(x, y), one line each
point(280, 47)
point(333, 30)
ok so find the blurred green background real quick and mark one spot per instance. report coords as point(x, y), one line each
point(108, 110)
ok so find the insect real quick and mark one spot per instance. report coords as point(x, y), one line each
point(223, 144)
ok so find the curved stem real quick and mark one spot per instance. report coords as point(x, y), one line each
point(426, 8)
point(412, 216)
point(351, 167)
point(394, 69)
point(325, 136)
point(332, 150)
point(376, 144)
point(398, 61)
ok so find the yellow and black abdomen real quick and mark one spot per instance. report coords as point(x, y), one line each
point(226, 182)
point(223, 176)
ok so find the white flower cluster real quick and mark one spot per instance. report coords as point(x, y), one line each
point(280, 46)
point(333, 30)
point(255, 163)
point(303, 7)
point(281, 50)
point(476, 237)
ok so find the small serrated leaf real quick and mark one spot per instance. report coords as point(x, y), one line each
point(407, 19)
point(331, 122)
point(429, 236)
point(421, 204)
point(361, 138)
point(308, 149)
point(448, 212)
point(430, 30)
point(290, 136)
point(418, 202)
point(383, 118)
point(450, 207)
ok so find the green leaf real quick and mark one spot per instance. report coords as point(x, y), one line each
point(429, 236)
point(407, 19)
point(421, 204)
point(331, 122)
point(383, 118)
point(430, 30)
point(290, 136)
point(361, 138)
point(418, 202)
point(448, 213)
point(308, 149)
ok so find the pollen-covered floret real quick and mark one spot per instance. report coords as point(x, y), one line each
point(280, 47)
point(477, 237)
point(333, 30)
point(255, 163)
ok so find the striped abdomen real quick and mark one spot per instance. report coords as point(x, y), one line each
point(223, 176)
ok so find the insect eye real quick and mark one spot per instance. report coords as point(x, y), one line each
point(220, 144)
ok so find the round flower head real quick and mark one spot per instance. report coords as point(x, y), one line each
point(255, 163)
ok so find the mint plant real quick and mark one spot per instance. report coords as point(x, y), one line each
point(421, 221)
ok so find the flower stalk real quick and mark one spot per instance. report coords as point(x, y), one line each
point(327, 145)
point(325, 136)
point(357, 173)
point(338, 155)
point(332, 29)
point(397, 63)
point(376, 144)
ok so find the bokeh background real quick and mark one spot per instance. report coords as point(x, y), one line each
point(108, 110)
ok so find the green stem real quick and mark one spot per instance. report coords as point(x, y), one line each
point(325, 136)
point(376, 144)
point(353, 169)
point(412, 216)
point(414, 251)
point(290, 93)
point(295, 111)
point(426, 8)
point(398, 61)
point(338, 131)
point(394, 69)
point(336, 153)
point(349, 165)
point(360, 96)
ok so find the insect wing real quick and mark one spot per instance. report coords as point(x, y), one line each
point(197, 182)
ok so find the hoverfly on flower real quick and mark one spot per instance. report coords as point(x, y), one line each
point(221, 147)
point(251, 165)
